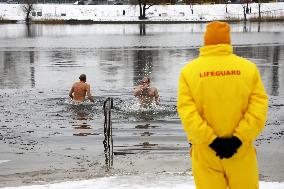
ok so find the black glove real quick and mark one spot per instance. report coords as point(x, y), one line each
point(225, 147)
point(217, 145)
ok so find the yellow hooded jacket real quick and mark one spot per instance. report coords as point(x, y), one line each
point(221, 94)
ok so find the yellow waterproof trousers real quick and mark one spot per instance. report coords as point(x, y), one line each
point(237, 172)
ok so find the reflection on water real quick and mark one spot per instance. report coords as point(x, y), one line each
point(119, 71)
point(82, 114)
point(30, 33)
point(38, 30)
point(143, 64)
point(62, 59)
point(17, 69)
point(275, 71)
point(269, 60)
point(142, 28)
point(32, 68)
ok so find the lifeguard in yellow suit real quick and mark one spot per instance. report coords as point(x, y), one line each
point(223, 107)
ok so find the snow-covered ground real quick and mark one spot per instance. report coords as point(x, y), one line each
point(166, 181)
point(131, 12)
point(146, 181)
point(4, 161)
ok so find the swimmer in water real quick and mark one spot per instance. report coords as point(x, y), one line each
point(146, 93)
point(80, 89)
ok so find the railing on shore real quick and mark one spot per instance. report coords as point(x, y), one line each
point(108, 141)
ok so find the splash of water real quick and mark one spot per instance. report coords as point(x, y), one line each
point(132, 108)
point(76, 103)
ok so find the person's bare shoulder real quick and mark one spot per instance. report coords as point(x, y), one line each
point(154, 88)
point(87, 86)
point(75, 84)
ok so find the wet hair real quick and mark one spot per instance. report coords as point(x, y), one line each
point(82, 77)
point(148, 79)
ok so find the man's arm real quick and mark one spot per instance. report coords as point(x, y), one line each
point(89, 93)
point(138, 90)
point(71, 92)
point(157, 97)
point(196, 128)
point(254, 118)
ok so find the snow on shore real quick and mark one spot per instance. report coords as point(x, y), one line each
point(135, 182)
point(131, 12)
point(4, 161)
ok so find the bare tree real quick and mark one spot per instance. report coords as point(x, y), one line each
point(28, 7)
point(143, 6)
point(259, 15)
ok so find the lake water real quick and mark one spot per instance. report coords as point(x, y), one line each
point(47, 139)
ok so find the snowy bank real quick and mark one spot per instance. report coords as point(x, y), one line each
point(130, 13)
point(166, 181)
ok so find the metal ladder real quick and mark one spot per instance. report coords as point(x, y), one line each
point(108, 141)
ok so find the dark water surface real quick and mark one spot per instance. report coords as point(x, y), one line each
point(48, 139)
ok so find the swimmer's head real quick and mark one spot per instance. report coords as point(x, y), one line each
point(145, 80)
point(82, 77)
